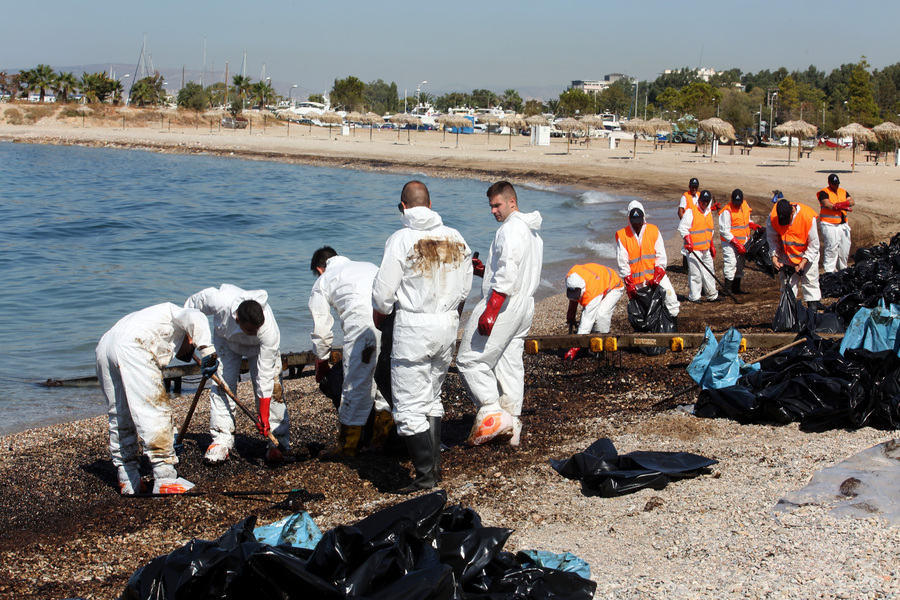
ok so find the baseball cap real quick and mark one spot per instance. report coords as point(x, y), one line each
point(694, 182)
point(737, 196)
point(784, 210)
point(705, 196)
point(636, 213)
point(833, 180)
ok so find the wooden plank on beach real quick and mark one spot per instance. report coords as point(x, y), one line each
point(291, 361)
point(545, 343)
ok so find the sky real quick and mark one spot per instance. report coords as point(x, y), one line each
point(536, 47)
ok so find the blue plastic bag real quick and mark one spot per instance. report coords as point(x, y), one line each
point(717, 364)
point(298, 530)
point(873, 329)
point(561, 562)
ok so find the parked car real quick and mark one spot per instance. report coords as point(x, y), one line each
point(235, 122)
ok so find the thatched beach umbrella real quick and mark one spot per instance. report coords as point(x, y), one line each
point(539, 120)
point(801, 129)
point(569, 125)
point(589, 121)
point(331, 118)
point(413, 120)
point(634, 126)
point(513, 123)
point(287, 116)
point(398, 120)
point(488, 120)
point(889, 131)
point(355, 118)
point(857, 132)
point(717, 128)
point(84, 111)
point(656, 126)
point(459, 122)
point(372, 120)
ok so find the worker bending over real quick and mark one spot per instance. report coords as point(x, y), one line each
point(598, 289)
point(794, 247)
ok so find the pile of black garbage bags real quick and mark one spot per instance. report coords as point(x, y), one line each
point(816, 386)
point(874, 276)
point(419, 549)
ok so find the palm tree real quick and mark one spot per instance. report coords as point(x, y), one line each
point(40, 79)
point(261, 91)
point(242, 86)
point(66, 84)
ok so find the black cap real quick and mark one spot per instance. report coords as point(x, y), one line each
point(636, 213)
point(737, 196)
point(694, 182)
point(833, 180)
point(784, 210)
point(705, 196)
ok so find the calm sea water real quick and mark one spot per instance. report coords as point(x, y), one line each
point(91, 234)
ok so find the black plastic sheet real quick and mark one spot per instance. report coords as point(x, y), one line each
point(647, 313)
point(875, 276)
point(814, 385)
point(418, 549)
point(332, 384)
point(604, 472)
point(758, 252)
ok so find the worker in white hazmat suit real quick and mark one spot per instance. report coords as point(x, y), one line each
point(697, 228)
point(427, 273)
point(244, 326)
point(490, 358)
point(346, 286)
point(130, 359)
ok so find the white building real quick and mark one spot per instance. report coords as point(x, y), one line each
point(595, 86)
point(703, 73)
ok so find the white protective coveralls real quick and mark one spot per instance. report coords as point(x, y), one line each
point(733, 263)
point(232, 344)
point(346, 286)
point(662, 260)
point(596, 317)
point(491, 367)
point(427, 272)
point(700, 280)
point(130, 359)
point(808, 281)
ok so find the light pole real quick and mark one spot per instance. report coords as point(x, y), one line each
point(128, 97)
point(419, 87)
point(290, 95)
point(773, 96)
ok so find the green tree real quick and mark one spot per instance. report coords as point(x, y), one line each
point(511, 100)
point(887, 90)
point(98, 87)
point(193, 96)
point(700, 99)
point(317, 98)
point(614, 99)
point(861, 103)
point(670, 100)
point(66, 84)
point(242, 85)
point(483, 98)
point(39, 79)
point(533, 107)
point(575, 101)
point(553, 106)
point(382, 98)
point(348, 94)
point(261, 93)
point(148, 91)
point(452, 100)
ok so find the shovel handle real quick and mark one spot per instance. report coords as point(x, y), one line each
point(224, 387)
point(716, 279)
point(190, 413)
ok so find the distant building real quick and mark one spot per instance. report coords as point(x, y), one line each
point(595, 86)
point(703, 73)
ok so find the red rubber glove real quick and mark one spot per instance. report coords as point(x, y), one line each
point(262, 422)
point(712, 249)
point(630, 288)
point(322, 368)
point(489, 316)
point(843, 206)
point(688, 244)
point(378, 318)
point(570, 314)
point(571, 354)
point(753, 226)
point(716, 207)
point(658, 274)
point(477, 266)
point(739, 247)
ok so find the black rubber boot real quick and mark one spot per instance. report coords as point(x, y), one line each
point(422, 455)
point(729, 285)
point(736, 288)
point(814, 305)
point(435, 432)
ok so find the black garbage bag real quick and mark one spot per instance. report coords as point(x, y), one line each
point(758, 252)
point(736, 402)
point(332, 384)
point(604, 472)
point(418, 549)
point(786, 312)
point(647, 313)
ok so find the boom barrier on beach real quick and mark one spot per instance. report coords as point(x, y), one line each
point(672, 341)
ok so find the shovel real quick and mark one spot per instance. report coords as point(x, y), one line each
point(224, 387)
point(179, 445)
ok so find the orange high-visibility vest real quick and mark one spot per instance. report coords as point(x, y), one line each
point(641, 256)
point(740, 222)
point(689, 201)
point(598, 280)
point(795, 235)
point(701, 230)
point(833, 215)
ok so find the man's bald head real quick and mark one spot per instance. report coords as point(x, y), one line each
point(415, 194)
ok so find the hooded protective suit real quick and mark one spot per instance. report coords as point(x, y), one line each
point(130, 358)
point(625, 262)
point(491, 367)
point(598, 301)
point(427, 272)
point(346, 286)
point(700, 280)
point(232, 344)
